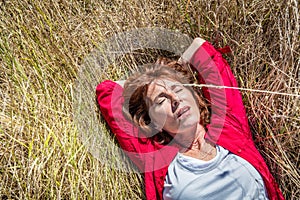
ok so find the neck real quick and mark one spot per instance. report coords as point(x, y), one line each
point(200, 147)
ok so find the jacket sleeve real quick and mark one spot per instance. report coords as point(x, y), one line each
point(109, 98)
point(146, 154)
point(228, 116)
point(229, 125)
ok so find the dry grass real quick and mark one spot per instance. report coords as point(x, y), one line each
point(42, 48)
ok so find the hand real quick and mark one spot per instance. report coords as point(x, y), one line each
point(187, 55)
point(120, 82)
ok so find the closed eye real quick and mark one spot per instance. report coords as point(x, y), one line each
point(178, 90)
point(161, 100)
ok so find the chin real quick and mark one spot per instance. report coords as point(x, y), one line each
point(189, 121)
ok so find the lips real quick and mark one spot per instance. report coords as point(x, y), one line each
point(182, 110)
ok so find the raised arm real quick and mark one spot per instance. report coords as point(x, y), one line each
point(109, 97)
point(228, 118)
point(147, 155)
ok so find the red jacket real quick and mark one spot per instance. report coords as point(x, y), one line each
point(228, 126)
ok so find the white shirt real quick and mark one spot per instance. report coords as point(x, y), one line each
point(227, 176)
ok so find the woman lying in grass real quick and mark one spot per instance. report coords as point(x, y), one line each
point(191, 143)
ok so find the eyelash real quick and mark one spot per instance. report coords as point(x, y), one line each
point(178, 91)
point(160, 102)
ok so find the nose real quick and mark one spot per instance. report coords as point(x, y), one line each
point(174, 102)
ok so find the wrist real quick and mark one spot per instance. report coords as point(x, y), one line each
point(189, 52)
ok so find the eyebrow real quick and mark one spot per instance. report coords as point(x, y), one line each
point(174, 86)
point(162, 94)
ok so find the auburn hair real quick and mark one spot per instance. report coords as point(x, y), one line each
point(135, 91)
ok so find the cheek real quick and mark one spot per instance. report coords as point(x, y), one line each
point(158, 116)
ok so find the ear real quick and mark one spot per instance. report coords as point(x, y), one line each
point(159, 129)
point(155, 128)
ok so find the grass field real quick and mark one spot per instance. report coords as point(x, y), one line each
point(43, 46)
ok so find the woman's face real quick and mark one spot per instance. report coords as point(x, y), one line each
point(172, 107)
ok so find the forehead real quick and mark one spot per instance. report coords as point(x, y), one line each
point(158, 86)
